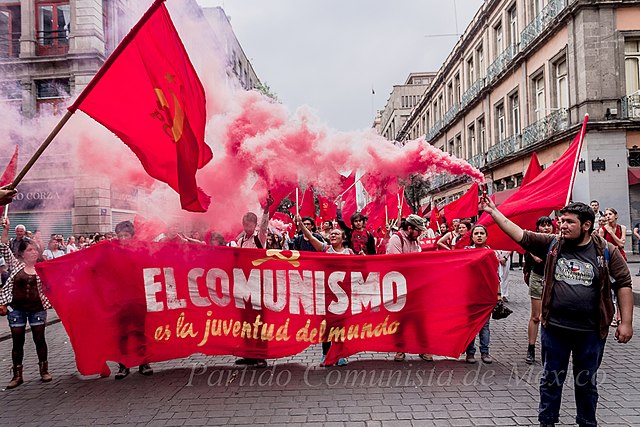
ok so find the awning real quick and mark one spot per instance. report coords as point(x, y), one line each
point(634, 175)
point(501, 196)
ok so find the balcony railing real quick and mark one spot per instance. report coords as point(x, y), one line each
point(51, 43)
point(450, 114)
point(630, 106)
point(504, 148)
point(9, 45)
point(501, 62)
point(546, 127)
point(472, 92)
point(541, 22)
point(441, 179)
point(437, 126)
point(478, 161)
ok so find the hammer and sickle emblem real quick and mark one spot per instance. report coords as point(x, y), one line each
point(277, 255)
point(178, 113)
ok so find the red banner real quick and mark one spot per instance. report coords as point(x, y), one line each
point(135, 302)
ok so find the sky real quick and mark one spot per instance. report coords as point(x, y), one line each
point(332, 54)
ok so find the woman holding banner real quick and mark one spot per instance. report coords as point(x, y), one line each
point(335, 246)
point(23, 300)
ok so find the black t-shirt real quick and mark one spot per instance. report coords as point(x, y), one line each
point(300, 244)
point(25, 292)
point(575, 299)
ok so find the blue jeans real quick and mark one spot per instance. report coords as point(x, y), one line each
point(586, 349)
point(485, 336)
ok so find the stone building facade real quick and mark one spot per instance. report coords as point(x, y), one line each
point(49, 51)
point(520, 80)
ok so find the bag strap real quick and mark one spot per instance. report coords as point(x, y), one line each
point(257, 241)
point(401, 239)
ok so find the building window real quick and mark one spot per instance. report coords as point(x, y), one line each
point(53, 28)
point(514, 104)
point(562, 84)
point(501, 131)
point(471, 141)
point(440, 106)
point(632, 66)
point(536, 7)
point(480, 59)
point(51, 95)
point(482, 134)
point(498, 38)
point(458, 146)
point(451, 147)
point(450, 95)
point(471, 77)
point(457, 90)
point(539, 107)
point(10, 31)
point(513, 26)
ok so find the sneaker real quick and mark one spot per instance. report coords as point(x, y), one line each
point(426, 357)
point(342, 361)
point(470, 358)
point(638, 273)
point(145, 369)
point(486, 358)
point(246, 361)
point(399, 357)
point(530, 359)
point(123, 371)
point(505, 299)
point(324, 356)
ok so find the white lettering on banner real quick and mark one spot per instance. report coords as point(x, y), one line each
point(214, 276)
point(365, 293)
point(152, 288)
point(298, 291)
point(394, 291)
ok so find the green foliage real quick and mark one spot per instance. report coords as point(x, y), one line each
point(264, 89)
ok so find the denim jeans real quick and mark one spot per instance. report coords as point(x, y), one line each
point(485, 336)
point(586, 349)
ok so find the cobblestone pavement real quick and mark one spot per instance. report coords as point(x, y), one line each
point(372, 390)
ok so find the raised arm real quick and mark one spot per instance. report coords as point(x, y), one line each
point(509, 227)
point(443, 242)
point(317, 244)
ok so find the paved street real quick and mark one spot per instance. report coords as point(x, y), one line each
point(372, 390)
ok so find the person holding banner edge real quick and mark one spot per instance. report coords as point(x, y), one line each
point(576, 305)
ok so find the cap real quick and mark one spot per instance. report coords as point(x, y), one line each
point(416, 222)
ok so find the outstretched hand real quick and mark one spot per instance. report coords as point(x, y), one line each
point(486, 204)
point(7, 195)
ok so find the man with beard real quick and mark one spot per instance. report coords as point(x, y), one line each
point(581, 270)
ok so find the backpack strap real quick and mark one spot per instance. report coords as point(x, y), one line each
point(552, 244)
point(257, 241)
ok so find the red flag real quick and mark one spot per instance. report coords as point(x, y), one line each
point(278, 192)
point(308, 204)
point(9, 173)
point(349, 197)
point(436, 219)
point(375, 214)
point(137, 292)
point(533, 170)
point(327, 208)
point(548, 191)
point(149, 95)
point(465, 207)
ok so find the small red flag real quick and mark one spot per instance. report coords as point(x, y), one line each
point(327, 208)
point(435, 220)
point(308, 204)
point(349, 197)
point(149, 95)
point(533, 170)
point(9, 173)
point(465, 207)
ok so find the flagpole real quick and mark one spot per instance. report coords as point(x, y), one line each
point(5, 214)
point(40, 150)
point(297, 204)
point(583, 130)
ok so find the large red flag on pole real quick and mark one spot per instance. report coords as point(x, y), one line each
point(464, 207)
point(548, 191)
point(435, 219)
point(149, 95)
